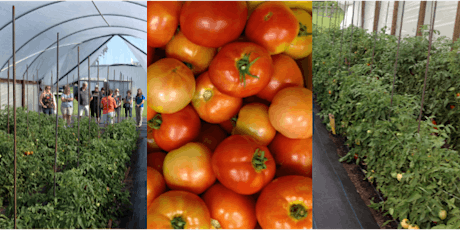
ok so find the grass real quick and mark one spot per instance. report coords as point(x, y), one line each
point(75, 108)
point(320, 21)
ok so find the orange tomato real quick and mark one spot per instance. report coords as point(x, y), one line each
point(170, 85)
point(196, 57)
point(286, 73)
point(286, 203)
point(155, 185)
point(302, 46)
point(272, 25)
point(212, 105)
point(291, 112)
point(188, 168)
point(178, 210)
point(232, 210)
point(292, 156)
point(150, 113)
point(253, 121)
point(162, 21)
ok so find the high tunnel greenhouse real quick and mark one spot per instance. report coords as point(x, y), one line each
point(81, 172)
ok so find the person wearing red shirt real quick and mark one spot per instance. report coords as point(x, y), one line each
point(108, 105)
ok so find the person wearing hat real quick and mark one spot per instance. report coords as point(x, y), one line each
point(95, 103)
point(117, 98)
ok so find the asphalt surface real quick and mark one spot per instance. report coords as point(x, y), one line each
point(336, 203)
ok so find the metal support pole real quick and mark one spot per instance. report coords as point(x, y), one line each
point(79, 100)
point(14, 115)
point(89, 98)
point(8, 122)
point(57, 112)
point(97, 101)
point(27, 91)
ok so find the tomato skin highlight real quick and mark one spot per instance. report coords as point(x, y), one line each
point(155, 160)
point(272, 25)
point(226, 75)
point(302, 45)
point(292, 156)
point(199, 57)
point(177, 129)
point(253, 121)
point(211, 135)
point(233, 164)
point(188, 168)
point(162, 21)
point(213, 24)
point(278, 197)
point(232, 210)
point(286, 73)
point(212, 105)
point(291, 112)
point(170, 86)
point(155, 185)
point(186, 205)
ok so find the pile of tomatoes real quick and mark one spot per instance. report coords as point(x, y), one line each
point(229, 119)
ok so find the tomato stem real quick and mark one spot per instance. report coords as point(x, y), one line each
point(298, 211)
point(258, 160)
point(178, 222)
point(156, 121)
point(190, 66)
point(234, 119)
point(243, 65)
point(207, 95)
point(303, 30)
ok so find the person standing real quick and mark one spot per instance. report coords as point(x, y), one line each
point(117, 98)
point(102, 95)
point(84, 100)
point(128, 104)
point(67, 105)
point(95, 104)
point(47, 102)
point(139, 107)
point(108, 105)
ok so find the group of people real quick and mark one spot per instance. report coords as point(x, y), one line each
point(109, 104)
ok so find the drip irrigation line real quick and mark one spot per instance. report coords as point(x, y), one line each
point(433, 15)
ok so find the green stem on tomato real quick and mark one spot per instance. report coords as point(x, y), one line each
point(190, 66)
point(243, 65)
point(298, 211)
point(233, 120)
point(303, 30)
point(258, 160)
point(155, 122)
point(178, 222)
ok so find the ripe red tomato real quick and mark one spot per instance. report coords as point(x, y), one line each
point(151, 144)
point(241, 69)
point(155, 185)
point(232, 210)
point(242, 165)
point(272, 25)
point(291, 112)
point(213, 24)
point(162, 21)
point(150, 55)
point(178, 210)
point(211, 135)
point(170, 86)
point(174, 130)
point(189, 168)
point(253, 121)
point(292, 156)
point(302, 45)
point(196, 57)
point(155, 160)
point(286, 203)
point(286, 73)
point(212, 105)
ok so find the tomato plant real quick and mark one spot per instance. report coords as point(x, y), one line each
point(241, 69)
point(242, 165)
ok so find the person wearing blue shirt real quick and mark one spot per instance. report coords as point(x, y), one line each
point(139, 107)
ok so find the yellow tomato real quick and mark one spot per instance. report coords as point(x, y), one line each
point(301, 47)
point(304, 5)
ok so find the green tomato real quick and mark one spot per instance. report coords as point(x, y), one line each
point(442, 214)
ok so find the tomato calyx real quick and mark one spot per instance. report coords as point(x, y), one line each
point(156, 121)
point(258, 160)
point(298, 211)
point(207, 95)
point(234, 119)
point(268, 16)
point(303, 30)
point(243, 65)
point(178, 222)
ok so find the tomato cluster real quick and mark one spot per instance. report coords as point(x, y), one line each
point(229, 119)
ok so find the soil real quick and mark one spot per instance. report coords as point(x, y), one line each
point(365, 189)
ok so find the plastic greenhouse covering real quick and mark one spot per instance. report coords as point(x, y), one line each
point(444, 21)
point(84, 24)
